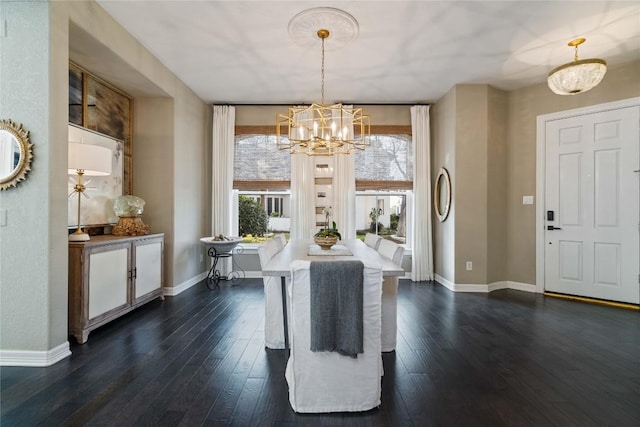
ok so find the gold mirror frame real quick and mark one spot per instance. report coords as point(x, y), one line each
point(442, 211)
point(26, 153)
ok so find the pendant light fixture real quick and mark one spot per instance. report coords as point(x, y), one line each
point(322, 129)
point(578, 76)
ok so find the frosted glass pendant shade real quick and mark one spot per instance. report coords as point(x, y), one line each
point(577, 77)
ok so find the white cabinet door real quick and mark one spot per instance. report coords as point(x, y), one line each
point(108, 280)
point(148, 267)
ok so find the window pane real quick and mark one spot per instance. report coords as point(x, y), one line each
point(257, 158)
point(389, 158)
point(382, 213)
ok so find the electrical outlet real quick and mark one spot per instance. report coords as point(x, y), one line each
point(469, 266)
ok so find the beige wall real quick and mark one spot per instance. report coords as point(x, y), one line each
point(524, 106)
point(443, 148)
point(497, 183)
point(469, 140)
point(265, 115)
point(40, 40)
point(471, 183)
point(154, 171)
point(494, 145)
point(170, 136)
point(33, 243)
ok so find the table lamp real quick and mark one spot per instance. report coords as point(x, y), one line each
point(89, 160)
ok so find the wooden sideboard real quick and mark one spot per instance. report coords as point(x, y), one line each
point(110, 276)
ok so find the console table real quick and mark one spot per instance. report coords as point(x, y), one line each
point(110, 276)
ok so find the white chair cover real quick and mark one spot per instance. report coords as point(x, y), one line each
point(273, 246)
point(327, 381)
point(391, 250)
point(372, 240)
point(395, 252)
point(273, 323)
point(282, 239)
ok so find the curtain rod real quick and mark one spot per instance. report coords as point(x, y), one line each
point(411, 104)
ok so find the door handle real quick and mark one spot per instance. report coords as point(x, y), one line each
point(551, 227)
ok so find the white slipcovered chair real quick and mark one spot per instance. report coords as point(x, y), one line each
point(273, 246)
point(273, 322)
point(327, 381)
point(281, 238)
point(394, 252)
point(372, 240)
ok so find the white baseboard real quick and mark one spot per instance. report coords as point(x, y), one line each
point(519, 286)
point(171, 291)
point(444, 282)
point(471, 287)
point(34, 358)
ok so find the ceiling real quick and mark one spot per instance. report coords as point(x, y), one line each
point(240, 52)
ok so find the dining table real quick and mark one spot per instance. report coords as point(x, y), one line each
point(305, 249)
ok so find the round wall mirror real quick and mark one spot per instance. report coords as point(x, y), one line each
point(442, 194)
point(16, 153)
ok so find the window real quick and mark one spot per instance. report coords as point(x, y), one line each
point(384, 183)
point(385, 213)
point(263, 173)
point(259, 165)
point(386, 164)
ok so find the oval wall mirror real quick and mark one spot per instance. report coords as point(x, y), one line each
point(442, 195)
point(16, 153)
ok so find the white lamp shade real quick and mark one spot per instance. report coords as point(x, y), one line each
point(92, 159)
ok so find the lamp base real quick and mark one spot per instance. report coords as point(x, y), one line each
point(130, 226)
point(78, 236)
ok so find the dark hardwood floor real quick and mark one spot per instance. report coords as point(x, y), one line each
point(506, 358)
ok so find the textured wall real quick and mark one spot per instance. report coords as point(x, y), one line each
point(497, 183)
point(265, 115)
point(443, 147)
point(170, 160)
point(33, 257)
point(34, 56)
point(525, 105)
point(471, 183)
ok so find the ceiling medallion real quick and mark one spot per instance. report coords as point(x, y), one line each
point(303, 28)
point(322, 129)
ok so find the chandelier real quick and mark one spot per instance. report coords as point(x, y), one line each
point(321, 129)
point(577, 76)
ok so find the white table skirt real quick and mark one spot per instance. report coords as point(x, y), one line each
point(298, 250)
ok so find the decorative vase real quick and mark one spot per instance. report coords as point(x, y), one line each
point(129, 208)
point(326, 242)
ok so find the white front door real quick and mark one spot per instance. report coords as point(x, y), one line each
point(592, 192)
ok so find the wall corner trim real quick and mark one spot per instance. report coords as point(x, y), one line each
point(31, 358)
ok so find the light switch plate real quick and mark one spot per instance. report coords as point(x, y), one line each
point(527, 200)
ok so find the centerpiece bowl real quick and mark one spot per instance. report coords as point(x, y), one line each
point(325, 242)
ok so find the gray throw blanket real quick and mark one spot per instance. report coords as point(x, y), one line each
point(336, 307)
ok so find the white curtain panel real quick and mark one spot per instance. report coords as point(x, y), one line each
point(422, 259)
point(303, 199)
point(344, 189)
point(223, 137)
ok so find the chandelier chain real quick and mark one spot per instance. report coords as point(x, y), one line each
point(322, 73)
point(575, 56)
